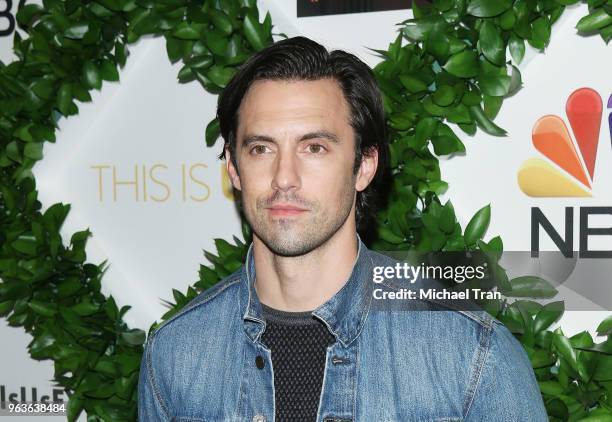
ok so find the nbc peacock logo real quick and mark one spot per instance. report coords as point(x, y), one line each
point(570, 168)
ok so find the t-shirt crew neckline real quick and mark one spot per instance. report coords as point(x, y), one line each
point(287, 317)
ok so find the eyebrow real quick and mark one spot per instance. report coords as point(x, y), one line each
point(319, 134)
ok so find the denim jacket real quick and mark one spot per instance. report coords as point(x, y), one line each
point(429, 365)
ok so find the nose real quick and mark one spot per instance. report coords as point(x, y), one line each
point(286, 173)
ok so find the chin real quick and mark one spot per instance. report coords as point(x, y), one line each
point(293, 244)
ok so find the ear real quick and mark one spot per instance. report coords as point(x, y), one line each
point(367, 169)
point(231, 170)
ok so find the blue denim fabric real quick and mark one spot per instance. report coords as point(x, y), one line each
point(423, 365)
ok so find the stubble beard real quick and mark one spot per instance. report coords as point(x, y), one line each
point(296, 236)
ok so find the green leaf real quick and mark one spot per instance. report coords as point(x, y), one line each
point(447, 218)
point(517, 48)
point(582, 340)
point(606, 33)
point(445, 144)
point(85, 308)
point(174, 48)
point(488, 8)
point(425, 128)
point(463, 64)
point(106, 367)
point(74, 408)
point(33, 150)
point(43, 88)
point(91, 76)
point(477, 226)
point(541, 33)
point(551, 388)
point(186, 74)
point(79, 92)
point(108, 71)
point(420, 29)
point(64, 98)
point(253, 32)
point(595, 20)
point(121, 53)
point(438, 45)
point(516, 81)
point(445, 141)
point(549, 314)
point(563, 345)
point(494, 85)
point(23, 133)
point(412, 84)
point(26, 13)
point(201, 62)
point(69, 287)
point(185, 31)
point(605, 328)
point(13, 152)
point(496, 244)
point(221, 75)
point(531, 286)
point(43, 308)
point(604, 369)
point(134, 337)
point(387, 235)
point(42, 133)
point(25, 244)
point(221, 21)
point(444, 96)
point(6, 307)
point(491, 43)
point(212, 132)
point(77, 31)
point(541, 358)
point(217, 43)
point(491, 105)
point(484, 122)
point(507, 20)
point(443, 5)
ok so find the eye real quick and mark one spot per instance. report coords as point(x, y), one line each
point(316, 148)
point(258, 149)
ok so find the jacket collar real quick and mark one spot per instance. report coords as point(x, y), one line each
point(344, 313)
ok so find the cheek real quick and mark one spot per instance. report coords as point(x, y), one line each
point(254, 185)
point(330, 182)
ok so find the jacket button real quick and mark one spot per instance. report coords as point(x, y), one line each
point(259, 418)
point(259, 362)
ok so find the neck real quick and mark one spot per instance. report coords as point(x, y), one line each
point(303, 283)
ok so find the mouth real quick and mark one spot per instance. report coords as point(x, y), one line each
point(285, 210)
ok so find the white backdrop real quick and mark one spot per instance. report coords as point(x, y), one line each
point(149, 130)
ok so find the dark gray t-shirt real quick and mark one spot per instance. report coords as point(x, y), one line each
point(298, 342)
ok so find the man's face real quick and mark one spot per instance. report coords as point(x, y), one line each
point(295, 151)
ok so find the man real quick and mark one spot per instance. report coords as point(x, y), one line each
point(293, 334)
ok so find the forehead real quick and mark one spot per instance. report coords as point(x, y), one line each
point(271, 104)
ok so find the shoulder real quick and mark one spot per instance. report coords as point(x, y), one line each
point(506, 378)
point(206, 325)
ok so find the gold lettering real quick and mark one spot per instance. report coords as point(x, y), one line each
point(125, 182)
point(199, 182)
point(100, 168)
point(144, 182)
point(184, 189)
point(159, 182)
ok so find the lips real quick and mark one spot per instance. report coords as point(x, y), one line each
point(285, 210)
